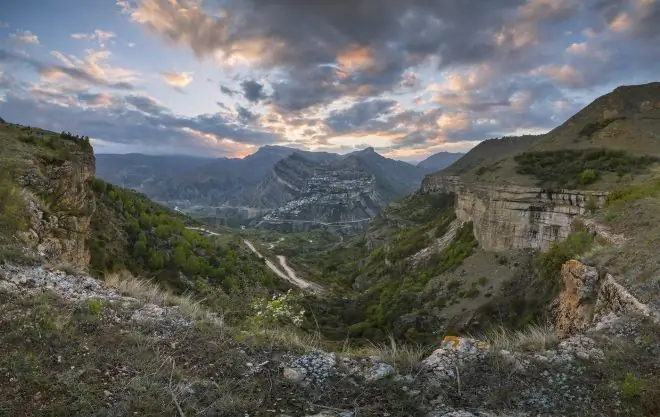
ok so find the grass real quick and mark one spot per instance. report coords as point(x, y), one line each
point(151, 293)
point(534, 338)
point(406, 358)
point(62, 359)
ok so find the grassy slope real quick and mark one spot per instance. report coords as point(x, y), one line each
point(625, 120)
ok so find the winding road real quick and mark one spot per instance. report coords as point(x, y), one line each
point(286, 273)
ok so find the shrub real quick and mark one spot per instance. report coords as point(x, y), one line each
point(588, 176)
point(631, 387)
point(549, 263)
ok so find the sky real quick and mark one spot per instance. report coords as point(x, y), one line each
point(224, 77)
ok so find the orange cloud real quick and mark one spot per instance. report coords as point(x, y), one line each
point(621, 23)
point(454, 122)
point(177, 79)
point(355, 58)
point(565, 74)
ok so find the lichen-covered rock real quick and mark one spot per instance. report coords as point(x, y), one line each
point(453, 352)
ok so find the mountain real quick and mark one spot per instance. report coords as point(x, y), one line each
point(145, 172)
point(342, 194)
point(438, 161)
point(240, 190)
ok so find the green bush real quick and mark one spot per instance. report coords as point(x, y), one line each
point(588, 176)
point(631, 387)
point(549, 262)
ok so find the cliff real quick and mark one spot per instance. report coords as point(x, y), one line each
point(523, 193)
point(53, 175)
point(514, 217)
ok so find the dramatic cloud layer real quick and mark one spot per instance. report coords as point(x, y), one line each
point(410, 77)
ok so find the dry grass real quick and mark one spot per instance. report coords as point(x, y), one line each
point(151, 293)
point(533, 338)
point(407, 359)
point(283, 336)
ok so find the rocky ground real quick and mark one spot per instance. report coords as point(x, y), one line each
point(74, 346)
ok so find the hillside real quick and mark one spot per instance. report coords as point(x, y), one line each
point(611, 139)
point(439, 161)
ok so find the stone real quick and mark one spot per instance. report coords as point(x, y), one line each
point(379, 371)
point(453, 351)
point(294, 375)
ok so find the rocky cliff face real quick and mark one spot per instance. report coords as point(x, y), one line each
point(60, 205)
point(514, 217)
point(589, 297)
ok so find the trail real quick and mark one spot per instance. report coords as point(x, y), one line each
point(286, 273)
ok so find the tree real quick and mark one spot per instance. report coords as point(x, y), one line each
point(156, 260)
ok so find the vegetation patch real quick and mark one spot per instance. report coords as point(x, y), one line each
point(593, 127)
point(573, 168)
point(130, 232)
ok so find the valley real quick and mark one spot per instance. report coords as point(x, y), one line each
point(520, 280)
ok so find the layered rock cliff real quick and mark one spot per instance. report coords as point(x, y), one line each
point(53, 174)
point(60, 234)
point(514, 217)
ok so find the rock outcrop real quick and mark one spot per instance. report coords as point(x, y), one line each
point(514, 217)
point(60, 204)
point(587, 298)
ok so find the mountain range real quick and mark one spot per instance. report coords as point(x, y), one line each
point(286, 184)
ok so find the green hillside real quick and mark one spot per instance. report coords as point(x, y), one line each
point(615, 140)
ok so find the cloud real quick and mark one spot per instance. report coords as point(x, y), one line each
point(358, 116)
point(4, 25)
point(25, 37)
point(565, 74)
point(132, 120)
point(98, 35)
point(245, 116)
point(146, 104)
point(227, 90)
point(178, 80)
point(90, 70)
point(346, 48)
point(253, 91)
